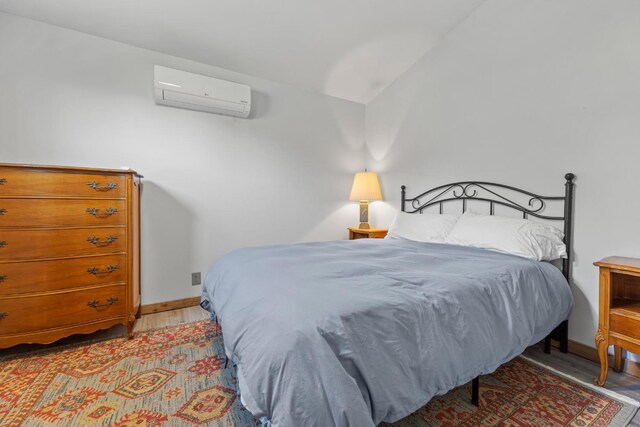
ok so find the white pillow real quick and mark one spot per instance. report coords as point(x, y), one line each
point(421, 227)
point(520, 237)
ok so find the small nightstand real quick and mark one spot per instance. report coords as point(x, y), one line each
point(619, 323)
point(366, 233)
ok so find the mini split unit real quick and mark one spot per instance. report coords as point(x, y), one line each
point(195, 92)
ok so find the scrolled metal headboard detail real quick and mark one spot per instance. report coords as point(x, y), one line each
point(499, 194)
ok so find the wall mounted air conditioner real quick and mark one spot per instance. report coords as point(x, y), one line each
point(195, 92)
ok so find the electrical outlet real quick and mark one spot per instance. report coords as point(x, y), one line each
point(195, 279)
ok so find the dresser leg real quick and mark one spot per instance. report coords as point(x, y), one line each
point(618, 360)
point(130, 322)
point(602, 344)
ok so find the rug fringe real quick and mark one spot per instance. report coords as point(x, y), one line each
point(601, 390)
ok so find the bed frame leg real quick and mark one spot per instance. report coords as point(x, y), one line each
point(564, 336)
point(475, 391)
point(560, 333)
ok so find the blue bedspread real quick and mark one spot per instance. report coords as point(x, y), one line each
point(352, 333)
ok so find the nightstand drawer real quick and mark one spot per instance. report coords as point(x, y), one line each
point(624, 321)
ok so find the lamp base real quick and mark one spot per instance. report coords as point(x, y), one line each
point(364, 214)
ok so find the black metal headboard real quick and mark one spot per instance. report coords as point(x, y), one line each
point(491, 193)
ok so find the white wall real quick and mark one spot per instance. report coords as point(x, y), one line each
point(522, 92)
point(212, 183)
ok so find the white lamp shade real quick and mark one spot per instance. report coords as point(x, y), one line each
point(365, 187)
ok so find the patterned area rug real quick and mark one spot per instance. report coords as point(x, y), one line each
point(165, 377)
point(521, 393)
point(175, 377)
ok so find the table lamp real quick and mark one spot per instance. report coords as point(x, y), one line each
point(365, 188)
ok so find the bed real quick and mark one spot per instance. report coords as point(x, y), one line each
point(353, 333)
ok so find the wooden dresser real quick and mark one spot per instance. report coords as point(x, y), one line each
point(69, 251)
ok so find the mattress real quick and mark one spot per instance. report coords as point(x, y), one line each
point(358, 332)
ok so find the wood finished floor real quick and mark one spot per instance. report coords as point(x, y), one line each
point(575, 366)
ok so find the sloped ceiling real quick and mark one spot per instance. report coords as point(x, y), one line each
point(350, 49)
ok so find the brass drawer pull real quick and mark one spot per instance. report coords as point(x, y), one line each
point(95, 304)
point(3, 181)
point(98, 187)
point(3, 315)
point(3, 211)
point(96, 212)
point(3, 243)
point(97, 272)
point(3, 278)
point(96, 240)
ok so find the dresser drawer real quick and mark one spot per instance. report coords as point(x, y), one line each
point(60, 213)
point(42, 276)
point(23, 182)
point(28, 244)
point(24, 314)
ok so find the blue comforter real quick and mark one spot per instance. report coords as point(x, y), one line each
point(352, 333)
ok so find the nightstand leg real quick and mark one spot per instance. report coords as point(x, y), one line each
point(618, 360)
point(602, 344)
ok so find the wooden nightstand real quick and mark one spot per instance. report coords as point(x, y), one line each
point(619, 323)
point(366, 233)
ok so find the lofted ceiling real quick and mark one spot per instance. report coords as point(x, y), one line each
point(350, 49)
